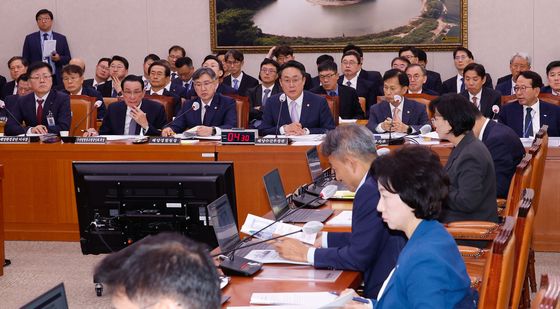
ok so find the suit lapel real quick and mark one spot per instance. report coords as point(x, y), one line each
point(405, 114)
point(544, 114)
point(211, 111)
point(305, 108)
point(120, 118)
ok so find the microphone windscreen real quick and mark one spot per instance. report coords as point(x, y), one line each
point(312, 227)
point(495, 109)
point(397, 98)
point(98, 103)
point(383, 151)
point(425, 129)
point(328, 192)
point(2, 104)
point(283, 97)
point(195, 106)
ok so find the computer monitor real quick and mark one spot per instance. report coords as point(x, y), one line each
point(54, 298)
point(314, 163)
point(120, 203)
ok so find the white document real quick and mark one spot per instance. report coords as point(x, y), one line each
point(300, 138)
point(254, 223)
point(340, 120)
point(48, 47)
point(119, 137)
point(431, 135)
point(344, 218)
point(386, 135)
point(309, 299)
point(270, 257)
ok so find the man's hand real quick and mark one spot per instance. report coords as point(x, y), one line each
point(318, 241)
point(294, 128)
point(291, 249)
point(386, 125)
point(204, 131)
point(40, 129)
point(167, 132)
point(55, 56)
point(139, 116)
point(90, 132)
point(353, 304)
point(116, 83)
point(270, 54)
point(399, 126)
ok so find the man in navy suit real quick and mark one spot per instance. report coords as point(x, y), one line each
point(553, 75)
point(372, 76)
point(526, 115)
point(433, 81)
point(209, 113)
point(258, 96)
point(351, 65)
point(23, 88)
point(348, 103)
point(371, 248)
point(134, 115)
point(483, 98)
point(395, 114)
point(148, 60)
point(295, 112)
point(175, 52)
point(216, 65)
point(315, 81)
point(118, 70)
point(17, 66)
point(34, 42)
point(237, 79)
point(285, 53)
point(185, 69)
point(505, 148)
point(417, 77)
point(160, 79)
point(43, 111)
point(101, 74)
point(461, 57)
point(518, 63)
point(72, 79)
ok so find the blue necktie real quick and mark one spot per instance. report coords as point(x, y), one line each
point(332, 93)
point(235, 84)
point(528, 130)
point(462, 85)
point(265, 97)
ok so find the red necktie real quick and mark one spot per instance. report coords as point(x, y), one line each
point(39, 110)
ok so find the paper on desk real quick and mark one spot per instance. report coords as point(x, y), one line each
point(386, 135)
point(48, 47)
point(300, 138)
point(270, 257)
point(344, 218)
point(309, 299)
point(254, 223)
point(340, 120)
point(431, 135)
point(426, 140)
point(119, 137)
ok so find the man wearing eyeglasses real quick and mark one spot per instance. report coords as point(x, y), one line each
point(351, 66)
point(43, 111)
point(258, 96)
point(526, 115)
point(209, 112)
point(456, 84)
point(118, 69)
point(237, 79)
point(73, 78)
point(34, 45)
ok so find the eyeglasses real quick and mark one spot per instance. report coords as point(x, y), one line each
point(117, 66)
point(204, 84)
point(463, 57)
point(70, 78)
point(415, 76)
point(351, 63)
point(39, 77)
point(325, 76)
point(265, 70)
point(521, 88)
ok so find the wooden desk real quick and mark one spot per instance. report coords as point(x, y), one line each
point(2, 253)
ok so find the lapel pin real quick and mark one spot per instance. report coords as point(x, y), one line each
point(544, 115)
point(408, 112)
point(215, 107)
point(307, 105)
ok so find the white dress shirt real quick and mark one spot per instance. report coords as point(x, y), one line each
point(354, 81)
point(459, 82)
point(239, 78)
point(379, 129)
point(478, 98)
point(127, 120)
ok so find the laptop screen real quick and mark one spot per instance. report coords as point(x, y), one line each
point(314, 163)
point(275, 192)
point(55, 298)
point(224, 224)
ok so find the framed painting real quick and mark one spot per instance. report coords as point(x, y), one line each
point(328, 25)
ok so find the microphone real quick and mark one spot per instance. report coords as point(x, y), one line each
point(495, 110)
point(425, 129)
point(397, 98)
point(383, 151)
point(194, 107)
point(282, 99)
point(3, 106)
point(95, 106)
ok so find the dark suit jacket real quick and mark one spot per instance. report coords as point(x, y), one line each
point(222, 89)
point(489, 98)
point(504, 87)
point(472, 190)
point(450, 85)
point(106, 89)
point(247, 83)
point(371, 248)
point(413, 114)
point(315, 82)
point(33, 52)
point(308, 82)
point(348, 103)
point(255, 100)
point(11, 102)
point(506, 150)
point(221, 113)
point(367, 89)
point(504, 79)
point(57, 103)
point(430, 272)
point(8, 89)
point(433, 82)
point(512, 116)
point(2, 83)
point(113, 122)
point(429, 91)
point(91, 92)
point(315, 114)
point(546, 89)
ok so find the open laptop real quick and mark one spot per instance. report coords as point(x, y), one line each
point(54, 298)
point(280, 206)
point(225, 228)
point(320, 179)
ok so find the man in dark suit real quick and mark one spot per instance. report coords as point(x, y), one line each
point(351, 65)
point(461, 57)
point(148, 60)
point(185, 69)
point(396, 114)
point(238, 79)
point(373, 76)
point(17, 66)
point(216, 65)
point(259, 95)
point(315, 81)
point(23, 88)
point(295, 112)
point(483, 98)
point(34, 42)
point(518, 63)
point(526, 115)
point(209, 113)
point(348, 103)
point(101, 74)
point(43, 111)
point(72, 80)
point(134, 115)
point(433, 81)
point(370, 248)
point(553, 75)
point(417, 77)
point(118, 70)
point(285, 53)
point(2, 82)
point(505, 148)
point(175, 52)
point(160, 78)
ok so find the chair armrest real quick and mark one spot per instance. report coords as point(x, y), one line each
point(473, 230)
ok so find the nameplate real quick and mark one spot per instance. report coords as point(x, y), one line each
point(15, 139)
point(272, 141)
point(91, 140)
point(160, 140)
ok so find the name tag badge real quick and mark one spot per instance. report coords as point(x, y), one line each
point(50, 120)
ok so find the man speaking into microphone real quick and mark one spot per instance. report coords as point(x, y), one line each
point(371, 247)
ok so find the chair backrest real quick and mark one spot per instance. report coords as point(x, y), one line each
point(508, 99)
point(108, 101)
point(523, 237)
point(549, 294)
point(333, 102)
point(362, 101)
point(539, 151)
point(498, 273)
point(550, 98)
point(422, 98)
point(84, 114)
point(167, 102)
point(521, 180)
point(242, 109)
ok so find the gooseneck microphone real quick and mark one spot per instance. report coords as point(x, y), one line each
point(282, 99)
point(194, 107)
point(88, 114)
point(3, 106)
point(495, 110)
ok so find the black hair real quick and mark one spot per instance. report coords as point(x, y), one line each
point(456, 109)
point(177, 47)
point(121, 59)
point(327, 66)
point(424, 186)
point(23, 77)
point(477, 68)
point(163, 64)
point(237, 55)
point(463, 49)
point(422, 56)
point(72, 69)
point(166, 265)
point(201, 71)
point(412, 49)
point(38, 65)
point(132, 78)
point(353, 47)
point(352, 53)
point(152, 57)
point(401, 76)
point(552, 65)
point(221, 52)
point(104, 59)
point(293, 64)
point(536, 80)
point(404, 59)
point(271, 61)
point(283, 50)
point(180, 62)
point(324, 58)
point(14, 58)
point(44, 11)
point(215, 58)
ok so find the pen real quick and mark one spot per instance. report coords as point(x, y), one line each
point(360, 300)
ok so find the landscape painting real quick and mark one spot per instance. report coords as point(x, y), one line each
point(328, 25)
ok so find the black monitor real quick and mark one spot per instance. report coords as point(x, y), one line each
point(54, 298)
point(120, 203)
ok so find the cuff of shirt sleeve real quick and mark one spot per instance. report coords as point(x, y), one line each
point(311, 256)
point(218, 131)
point(282, 131)
point(324, 240)
point(306, 130)
point(378, 129)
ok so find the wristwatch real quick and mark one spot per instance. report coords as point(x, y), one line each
point(213, 130)
point(409, 130)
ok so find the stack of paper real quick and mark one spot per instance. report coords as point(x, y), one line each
point(344, 218)
point(254, 223)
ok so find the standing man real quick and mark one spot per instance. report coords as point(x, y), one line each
point(295, 112)
point(43, 111)
point(34, 44)
point(17, 66)
point(101, 73)
point(118, 70)
point(258, 96)
point(238, 80)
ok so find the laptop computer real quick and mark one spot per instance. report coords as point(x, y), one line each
point(280, 206)
point(54, 298)
point(320, 179)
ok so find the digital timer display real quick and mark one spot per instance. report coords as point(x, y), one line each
point(239, 136)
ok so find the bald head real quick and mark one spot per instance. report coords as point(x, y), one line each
point(79, 62)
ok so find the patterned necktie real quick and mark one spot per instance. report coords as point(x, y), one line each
point(266, 92)
point(40, 110)
point(332, 93)
point(349, 83)
point(462, 85)
point(173, 75)
point(132, 127)
point(293, 112)
point(396, 116)
point(528, 131)
point(235, 84)
point(475, 101)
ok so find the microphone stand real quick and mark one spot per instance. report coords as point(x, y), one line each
point(228, 252)
point(279, 113)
